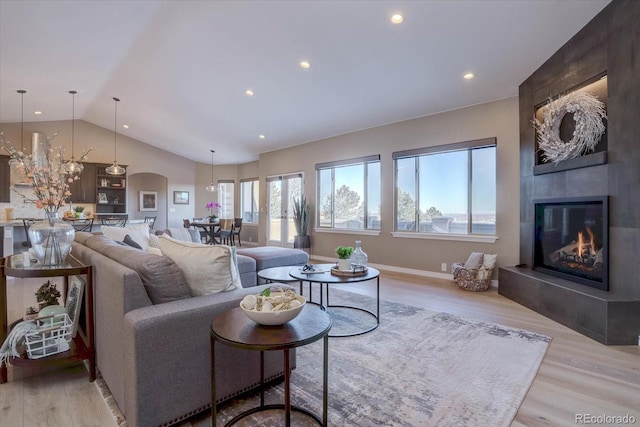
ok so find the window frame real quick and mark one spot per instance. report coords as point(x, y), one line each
point(467, 146)
point(222, 202)
point(332, 166)
point(255, 185)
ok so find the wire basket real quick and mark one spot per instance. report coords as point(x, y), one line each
point(53, 336)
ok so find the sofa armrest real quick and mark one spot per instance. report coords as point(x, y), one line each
point(168, 362)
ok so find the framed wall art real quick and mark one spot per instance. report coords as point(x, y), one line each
point(148, 200)
point(180, 197)
point(73, 302)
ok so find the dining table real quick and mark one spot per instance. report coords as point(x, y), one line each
point(209, 230)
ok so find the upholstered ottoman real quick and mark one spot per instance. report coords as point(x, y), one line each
point(272, 256)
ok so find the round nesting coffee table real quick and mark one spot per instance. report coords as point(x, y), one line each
point(326, 278)
point(277, 274)
point(235, 329)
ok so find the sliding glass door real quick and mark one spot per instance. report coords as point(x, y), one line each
point(281, 191)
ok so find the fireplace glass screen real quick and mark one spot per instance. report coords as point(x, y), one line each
point(571, 240)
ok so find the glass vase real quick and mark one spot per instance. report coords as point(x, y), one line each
point(358, 258)
point(51, 239)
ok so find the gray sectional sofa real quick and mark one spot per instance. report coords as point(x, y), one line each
point(155, 358)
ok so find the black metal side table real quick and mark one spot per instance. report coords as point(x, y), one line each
point(235, 329)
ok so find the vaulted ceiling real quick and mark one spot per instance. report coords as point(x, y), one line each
point(182, 68)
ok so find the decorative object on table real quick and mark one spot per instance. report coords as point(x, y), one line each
point(344, 252)
point(301, 218)
point(352, 272)
point(46, 172)
point(102, 198)
point(148, 201)
point(588, 113)
point(475, 274)
point(30, 313)
point(47, 294)
point(213, 206)
point(79, 211)
point(180, 197)
point(358, 258)
point(73, 302)
point(115, 168)
point(212, 187)
point(8, 214)
point(273, 308)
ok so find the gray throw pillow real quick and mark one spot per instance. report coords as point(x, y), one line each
point(129, 241)
point(474, 261)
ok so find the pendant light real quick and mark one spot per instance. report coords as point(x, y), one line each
point(115, 168)
point(16, 162)
point(72, 166)
point(212, 187)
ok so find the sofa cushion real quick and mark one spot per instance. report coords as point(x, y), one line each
point(184, 234)
point(207, 269)
point(489, 261)
point(245, 264)
point(272, 256)
point(138, 232)
point(474, 261)
point(162, 278)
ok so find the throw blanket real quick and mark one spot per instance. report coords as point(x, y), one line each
point(9, 348)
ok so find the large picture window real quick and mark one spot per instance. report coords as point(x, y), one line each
point(447, 189)
point(249, 196)
point(349, 194)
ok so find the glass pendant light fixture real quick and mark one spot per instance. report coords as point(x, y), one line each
point(212, 187)
point(115, 168)
point(16, 162)
point(72, 166)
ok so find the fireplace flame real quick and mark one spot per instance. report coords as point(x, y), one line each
point(580, 243)
point(592, 242)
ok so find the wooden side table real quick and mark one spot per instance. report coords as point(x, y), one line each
point(235, 329)
point(83, 345)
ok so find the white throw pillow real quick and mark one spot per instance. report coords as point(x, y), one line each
point(207, 269)
point(138, 232)
point(474, 261)
point(489, 261)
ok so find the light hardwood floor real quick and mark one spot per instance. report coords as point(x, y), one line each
point(577, 376)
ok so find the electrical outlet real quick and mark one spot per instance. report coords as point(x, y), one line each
point(443, 266)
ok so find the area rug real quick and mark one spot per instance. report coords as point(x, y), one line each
point(418, 368)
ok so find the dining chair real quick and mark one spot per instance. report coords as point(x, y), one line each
point(186, 223)
point(235, 231)
point(151, 220)
point(224, 232)
point(83, 224)
point(27, 222)
point(115, 221)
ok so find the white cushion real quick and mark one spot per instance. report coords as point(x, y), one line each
point(474, 261)
point(489, 261)
point(154, 241)
point(138, 232)
point(207, 269)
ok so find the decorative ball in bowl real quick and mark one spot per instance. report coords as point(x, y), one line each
point(273, 308)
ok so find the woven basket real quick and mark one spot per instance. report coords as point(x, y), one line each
point(467, 279)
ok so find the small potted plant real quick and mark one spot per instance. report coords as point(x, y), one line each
point(344, 252)
point(213, 206)
point(47, 294)
point(79, 211)
point(301, 215)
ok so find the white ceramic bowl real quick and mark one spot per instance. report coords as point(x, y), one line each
point(273, 318)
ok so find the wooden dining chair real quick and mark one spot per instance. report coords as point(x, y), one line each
point(224, 232)
point(235, 231)
point(151, 220)
point(115, 221)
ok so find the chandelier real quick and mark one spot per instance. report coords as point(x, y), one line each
point(115, 168)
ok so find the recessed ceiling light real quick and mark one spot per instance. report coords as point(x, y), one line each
point(397, 18)
point(125, 126)
point(305, 64)
point(249, 92)
point(37, 113)
point(261, 136)
point(468, 76)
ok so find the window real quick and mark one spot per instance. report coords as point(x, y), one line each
point(349, 194)
point(226, 198)
point(447, 189)
point(249, 196)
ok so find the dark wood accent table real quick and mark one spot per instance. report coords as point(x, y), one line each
point(83, 347)
point(235, 329)
point(209, 230)
point(326, 278)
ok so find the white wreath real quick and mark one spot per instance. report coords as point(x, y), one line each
point(588, 113)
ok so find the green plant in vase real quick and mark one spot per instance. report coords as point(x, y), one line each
point(301, 216)
point(344, 252)
point(78, 211)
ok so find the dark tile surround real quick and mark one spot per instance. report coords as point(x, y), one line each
point(609, 44)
